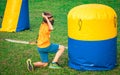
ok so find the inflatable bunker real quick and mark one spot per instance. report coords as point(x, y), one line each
point(92, 37)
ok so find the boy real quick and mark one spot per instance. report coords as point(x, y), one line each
point(44, 45)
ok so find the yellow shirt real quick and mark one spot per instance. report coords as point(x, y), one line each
point(44, 36)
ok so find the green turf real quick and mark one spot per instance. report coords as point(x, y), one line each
point(13, 56)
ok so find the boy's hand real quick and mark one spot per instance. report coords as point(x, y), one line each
point(33, 42)
point(44, 16)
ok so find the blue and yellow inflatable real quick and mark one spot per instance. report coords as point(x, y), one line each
point(16, 16)
point(92, 42)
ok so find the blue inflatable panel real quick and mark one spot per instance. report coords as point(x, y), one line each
point(92, 55)
point(23, 22)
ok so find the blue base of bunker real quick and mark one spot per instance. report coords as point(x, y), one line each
point(92, 55)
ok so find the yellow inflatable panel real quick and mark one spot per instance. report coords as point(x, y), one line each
point(11, 15)
point(92, 22)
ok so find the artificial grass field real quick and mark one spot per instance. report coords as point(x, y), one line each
point(13, 56)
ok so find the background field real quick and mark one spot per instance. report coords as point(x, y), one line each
point(13, 56)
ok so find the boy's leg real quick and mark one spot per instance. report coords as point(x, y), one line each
point(40, 64)
point(54, 64)
point(31, 66)
point(59, 53)
point(44, 63)
point(44, 58)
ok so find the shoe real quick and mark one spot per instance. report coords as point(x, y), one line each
point(54, 66)
point(29, 65)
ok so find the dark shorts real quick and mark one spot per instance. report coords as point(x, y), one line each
point(53, 48)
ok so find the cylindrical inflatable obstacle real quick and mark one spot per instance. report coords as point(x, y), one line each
point(92, 37)
point(16, 16)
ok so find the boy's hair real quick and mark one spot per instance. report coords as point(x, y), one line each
point(49, 15)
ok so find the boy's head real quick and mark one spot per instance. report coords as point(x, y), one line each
point(50, 17)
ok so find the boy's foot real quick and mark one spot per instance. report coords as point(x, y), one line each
point(29, 65)
point(54, 66)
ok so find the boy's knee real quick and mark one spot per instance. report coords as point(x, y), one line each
point(61, 47)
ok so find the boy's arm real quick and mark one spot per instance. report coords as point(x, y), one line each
point(49, 24)
point(33, 42)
